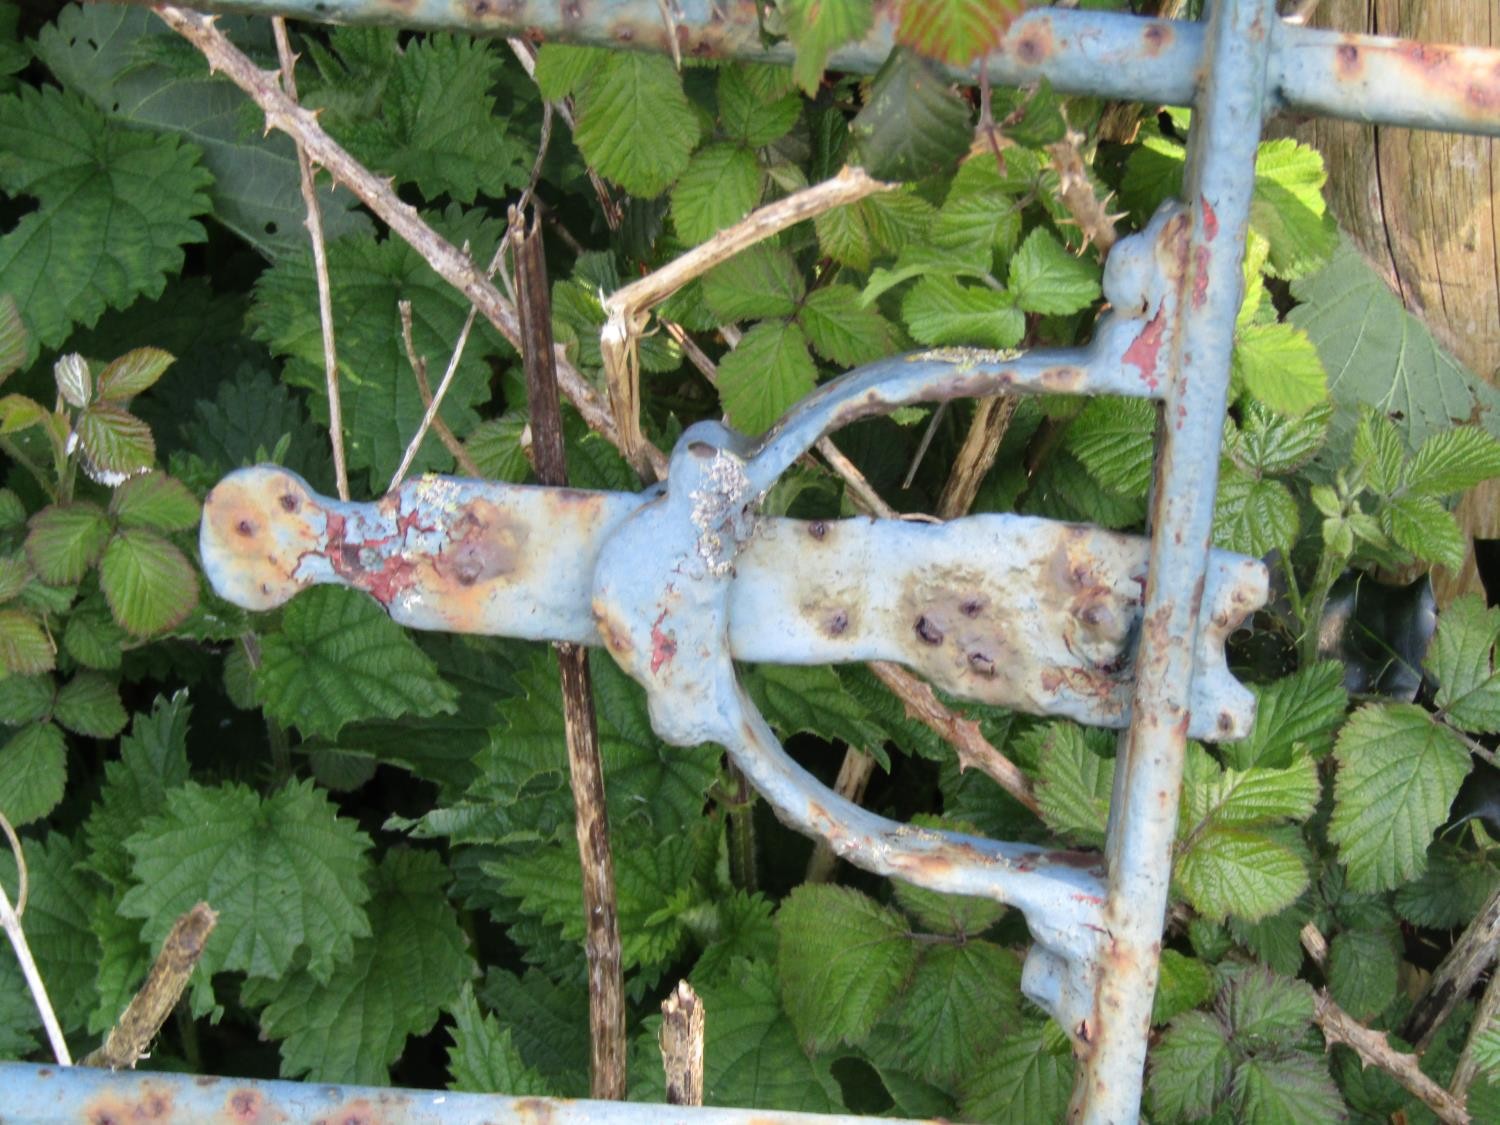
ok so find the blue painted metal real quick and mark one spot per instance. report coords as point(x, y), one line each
point(684, 579)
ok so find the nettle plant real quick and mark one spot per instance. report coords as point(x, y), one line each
point(383, 820)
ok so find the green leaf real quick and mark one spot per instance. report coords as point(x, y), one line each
point(913, 123)
point(634, 123)
point(841, 329)
point(962, 998)
point(980, 218)
point(813, 701)
point(1264, 1008)
point(755, 106)
point(1190, 1068)
point(1376, 352)
point(1279, 365)
point(750, 1052)
point(1073, 784)
point(1025, 1080)
point(1257, 795)
point(719, 188)
point(482, 1058)
point(1296, 713)
point(25, 699)
point(89, 705)
point(92, 637)
point(115, 442)
point(765, 375)
point(1254, 515)
point(1379, 451)
point(13, 343)
point(759, 282)
point(562, 69)
point(74, 383)
point(339, 659)
point(65, 540)
point(1453, 461)
point(742, 929)
point(939, 310)
point(150, 585)
point(1270, 443)
point(33, 772)
point(1462, 661)
point(1286, 1086)
point(1184, 983)
point(436, 124)
point(1421, 525)
point(121, 58)
point(25, 648)
point(1115, 438)
point(1363, 966)
point(17, 413)
point(1451, 892)
point(57, 924)
point(134, 372)
point(116, 208)
point(843, 958)
point(285, 873)
point(1288, 208)
point(1398, 774)
point(1238, 871)
point(122, 962)
point(817, 29)
point(155, 501)
point(412, 961)
point(544, 1021)
point(955, 31)
point(1045, 278)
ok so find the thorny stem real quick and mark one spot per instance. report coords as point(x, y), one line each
point(431, 418)
point(314, 222)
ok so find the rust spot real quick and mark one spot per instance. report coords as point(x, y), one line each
point(928, 632)
point(244, 1105)
point(289, 502)
point(973, 607)
point(1201, 259)
point(1144, 352)
point(624, 34)
point(1035, 42)
point(245, 528)
point(1083, 1031)
point(817, 529)
point(663, 645)
point(1157, 36)
point(1428, 56)
point(1082, 861)
point(484, 543)
point(838, 623)
point(982, 664)
point(1061, 379)
point(1226, 721)
point(153, 1104)
point(1348, 61)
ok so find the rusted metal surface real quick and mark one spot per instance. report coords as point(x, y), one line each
point(50, 1095)
point(1107, 54)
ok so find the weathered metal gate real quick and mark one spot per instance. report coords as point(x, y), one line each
point(680, 581)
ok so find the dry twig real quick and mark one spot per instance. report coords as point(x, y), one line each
point(432, 417)
point(10, 922)
point(314, 222)
point(681, 1039)
point(1484, 1017)
point(1076, 190)
point(977, 455)
point(131, 1037)
point(1474, 952)
point(444, 258)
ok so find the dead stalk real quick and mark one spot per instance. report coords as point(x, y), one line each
point(681, 1040)
point(854, 776)
point(314, 222)
point(977, 454)
point(10, 922)
point(432, 418)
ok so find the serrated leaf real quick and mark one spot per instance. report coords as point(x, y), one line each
point(1379, 452)
point(1239, 871)
point(1363, 966)
point(408, 966)
point(17, 413)
point(285, 873)
point(768, 372)
point(1115, 438)
point(74, 383)
point(1270, 443)
point(1453, 461)
point(88, 704)
point(13, 344)
point(338, 659)
point(154, 501)
point(816, 29)
point(1462, 661)
point(562, 69)
point(57, 924)
point(719, 188)
point(114, 441)
point(813, 701)
point(755, 106)
point(634, 123)
point(1025, 1080)
point(122, 962)
point(482, 1058)
point(1183, 983)
point(1045, 278)
point(940, 310)
point(134, 372)
point(148, 582)
point(247, 419)
point(1376, 352)
point(1300, 711)
point(1421, 525)
point(1254, 515)
point(1288, 208)
point(1286, 1086)
point(956, 31)
point(842, 958)
point(25, 699)
point(1190, 1068)
point(1073, 784)
point(913, 122)
point(116, 209)
point(1259, 795)
point(762, 281)
point(1279, 365)
point(25, 648)
point(65, 540)
point(961, 999)
point(92, 637)
point(33, 772)
point(1451, 891)
point(1264, 1008)
point(841, 329)
point(119, 57)
point(1398, 774)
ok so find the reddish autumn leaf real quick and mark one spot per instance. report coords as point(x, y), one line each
point(956, 31)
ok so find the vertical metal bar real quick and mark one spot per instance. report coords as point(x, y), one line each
point(1217, 190)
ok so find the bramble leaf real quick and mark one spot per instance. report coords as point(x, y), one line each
point(89, 705)
point(1045, 278)
point(1190, 1067)
point(913, 122)
point(719, 188)
point(939, 310)
point(635, 125)
point(1115, 438)
point(64, 540)
point(33, 772)
point(1462, 661)
point(1298, 711)
point(841, 329)
point(1025, 1079)
point(956, 31)
point(134, 372)
point(961, 999)
point(1279, 365)
point(155, 501)
point(149, 583)
point(24, 647)
point(1247, 873)
point(1453, 461)
point(482, 1058)
point(816, 29)
point(765, 375)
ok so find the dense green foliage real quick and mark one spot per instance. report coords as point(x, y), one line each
point(382, 819)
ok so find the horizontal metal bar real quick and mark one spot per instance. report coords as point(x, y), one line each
point(50, 1095)
point(1108, 54)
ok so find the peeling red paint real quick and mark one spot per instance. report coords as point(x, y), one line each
point(1201, 259)
point(663, 645)
point(1210, 220)
point(1146, 349)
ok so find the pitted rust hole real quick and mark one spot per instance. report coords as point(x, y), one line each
point(1349, 62)
point(1157, 36)
point(701, 449)
point(973, 607)
point(817, 529)
point(838, 623)
point(245, 528)
point(288, 502)
point(982, 664)
point(1226, 721)
point(928, 632)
